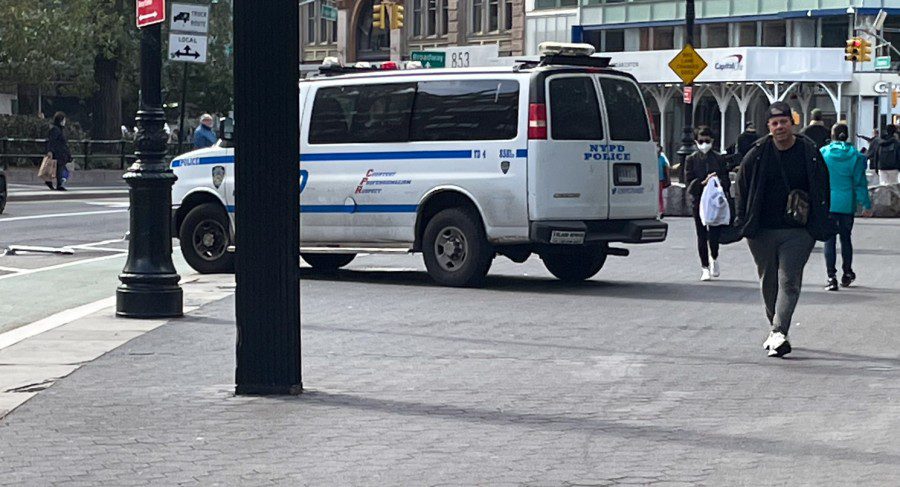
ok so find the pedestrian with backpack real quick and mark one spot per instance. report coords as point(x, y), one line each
point(849, 190)
point(782, 208)
point(884, 152)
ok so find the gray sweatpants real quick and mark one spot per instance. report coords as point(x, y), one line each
point(780, 256)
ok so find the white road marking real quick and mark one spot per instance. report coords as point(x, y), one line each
point(97, 249)
point(11, 269)
point(54, 321)
point(60, 215)
point(110, 204)
point(26, 272)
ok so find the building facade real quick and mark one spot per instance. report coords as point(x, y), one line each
point(781, 36)
point(428, 24)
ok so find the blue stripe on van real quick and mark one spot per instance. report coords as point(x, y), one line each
point(352, 209)
point(355, 156)
point(372, 156)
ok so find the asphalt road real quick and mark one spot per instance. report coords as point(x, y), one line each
point(34, 285)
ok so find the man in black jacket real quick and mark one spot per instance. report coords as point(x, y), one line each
point(884, 152)
point(779, 169)
point(745, 142)
point(816, 130)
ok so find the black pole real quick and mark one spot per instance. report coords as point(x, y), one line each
point(267, 297)
point(149, 286)
point(687, 135)
point(182, 106)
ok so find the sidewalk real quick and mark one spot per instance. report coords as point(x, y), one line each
point(92, 184)
point(527, 382)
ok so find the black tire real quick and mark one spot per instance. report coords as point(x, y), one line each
point(328, 262)
point(205, 238)
point(575, 266)
point(471, 256)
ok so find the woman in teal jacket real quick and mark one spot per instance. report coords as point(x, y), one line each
point(849, 189)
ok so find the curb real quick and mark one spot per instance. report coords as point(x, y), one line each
point(67, 195)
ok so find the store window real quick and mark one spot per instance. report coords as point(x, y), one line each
point(429, 18)
point(716, 35)
point(835, 31)
point(551, 4)
point(613, 41)
point(774, 34)
point(746, 34)
point(318, 29)
point(492, 16)
point(663, 37)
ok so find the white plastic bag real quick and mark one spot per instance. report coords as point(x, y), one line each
point(714, 210)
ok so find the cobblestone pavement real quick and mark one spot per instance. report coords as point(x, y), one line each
point(641, 376)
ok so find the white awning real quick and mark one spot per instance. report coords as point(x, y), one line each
point(741, 64)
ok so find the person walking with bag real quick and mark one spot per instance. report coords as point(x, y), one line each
point(699, 168)
point(849, 189)
point(885, 155)
point(58, 148)
point(783, 202)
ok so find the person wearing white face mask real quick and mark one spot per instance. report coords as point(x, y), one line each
point(699, 167)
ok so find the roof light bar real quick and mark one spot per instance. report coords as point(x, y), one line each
point(565, 49)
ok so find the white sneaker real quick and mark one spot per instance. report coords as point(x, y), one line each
point(705, 275)
point(715, 268)
point(777, 344)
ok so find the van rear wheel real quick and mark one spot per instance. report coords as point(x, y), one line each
point(455, 248)
point(328, 262)
point(576, 266)
point(205, 239)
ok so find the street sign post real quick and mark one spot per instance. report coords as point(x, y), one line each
point(329, 12)
point(429, 59)
point(149, 12)
point(687, 64)
point(883, 62)
point(189, 18)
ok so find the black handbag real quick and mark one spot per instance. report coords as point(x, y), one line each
point(797, 211)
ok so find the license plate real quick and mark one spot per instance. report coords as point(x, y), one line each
point(565, 237)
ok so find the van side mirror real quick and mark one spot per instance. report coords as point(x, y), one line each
point(226, 129)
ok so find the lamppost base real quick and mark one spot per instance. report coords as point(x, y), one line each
point(268, 390)
point(143, 301)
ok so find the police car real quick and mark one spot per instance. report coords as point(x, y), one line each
point(552, 157)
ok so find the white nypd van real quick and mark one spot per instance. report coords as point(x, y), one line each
point(552, 157)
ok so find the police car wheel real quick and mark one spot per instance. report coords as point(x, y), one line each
point(328, 262)
point(205, 239)
point(455, 248)
point(575, 266)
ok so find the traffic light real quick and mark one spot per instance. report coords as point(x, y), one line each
point(852, 50)
point(396, 16)
point(378, 13)
point(865, 50)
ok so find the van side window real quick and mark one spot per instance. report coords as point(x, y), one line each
point(628, 118)
point(466, 110)
point(574, 109)
point(362, 113)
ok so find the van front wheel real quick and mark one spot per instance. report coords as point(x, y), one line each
point(575, 266)
point(205, 239)
point(455, 248)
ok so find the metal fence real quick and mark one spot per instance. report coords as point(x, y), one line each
point(89, 154)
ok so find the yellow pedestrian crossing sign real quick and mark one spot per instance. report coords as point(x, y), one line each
point(687, 64)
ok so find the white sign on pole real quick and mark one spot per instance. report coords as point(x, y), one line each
point(189, 18)
point(469, 56)
point(188, 48)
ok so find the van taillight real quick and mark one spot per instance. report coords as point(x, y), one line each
point(537, 121)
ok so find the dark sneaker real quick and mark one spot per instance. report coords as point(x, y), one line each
point(832, 284)
point(49, 184)
point(61, 188)
point(847, 279)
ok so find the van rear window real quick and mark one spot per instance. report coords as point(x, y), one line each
point(574, 109)
point(466, 110)
point(426, 111)
point(627, 116)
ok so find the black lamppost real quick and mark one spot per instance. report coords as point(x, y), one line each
point(149, 286)
point(687, 136)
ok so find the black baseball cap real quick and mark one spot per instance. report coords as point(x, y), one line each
point(779, 109)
